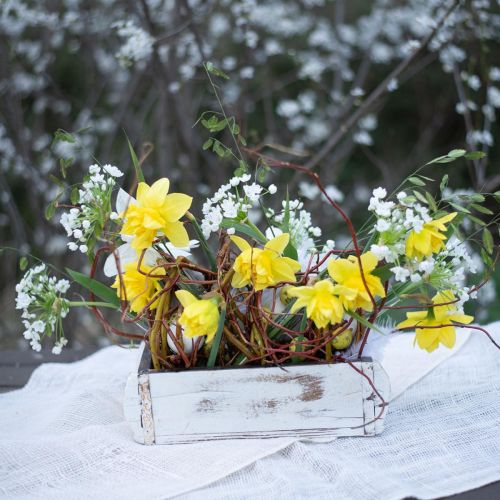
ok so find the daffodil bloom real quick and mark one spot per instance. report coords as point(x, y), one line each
point(156, 212)
point(351, 289)
point(440, 319)
point(138, 288)
point(199, 317)
point(430, 239)
point(263, 267)
point(322, 306)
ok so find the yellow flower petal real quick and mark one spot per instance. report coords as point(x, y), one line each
point(241, 243)
point(369, 262)
point(177, 234)
point(340, 269)
point(282, 271)
point(200, 317)
point(142, 192)
point(278, 244)
point(158, 192)
point(447, 336)
point(185, 298)
point(413, 321)
point(440, 223)
point(175, 206)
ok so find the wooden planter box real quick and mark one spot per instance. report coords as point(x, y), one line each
point(313, 402)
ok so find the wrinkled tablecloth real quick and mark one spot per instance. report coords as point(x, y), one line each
point(63, 436)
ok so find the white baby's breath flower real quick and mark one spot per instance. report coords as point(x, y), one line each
point(82, 222)
point(41, 299)
point(400, 273)
point(113, 171)
point(379, 193)
point(253, 191)
point(382, 225)
point(380, 251)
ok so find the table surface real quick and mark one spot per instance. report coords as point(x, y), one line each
point(16, 368)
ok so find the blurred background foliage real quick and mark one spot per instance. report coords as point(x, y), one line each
point(299, 69)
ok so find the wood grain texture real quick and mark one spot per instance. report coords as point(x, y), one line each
point(302, 401)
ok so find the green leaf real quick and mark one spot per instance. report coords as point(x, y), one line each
point(486, 258)
point(459, 208)
point(244, 229)
point(299, 347)
point(481, 209)
point(23, 263)
point(216, 343)
point(64, 164)
point(204, 244)
point(219, 150)
point(99, 289)
point(496, 195)
point(420, 197)
point(135, 161)
point(364, 321)
point(291, 252)
point(475, 155)
point(75, 196)
point(215, 71)
point(444, 182)
point(383, 272)
point(456, 153)
point(431, 201)
point(476, 220)
point(218, 126)
point(478, 198)
point(63, 136)
point(50, 210)
point(286, 216)
point(57, 181)
point(416, 181)
point(207, 144)
point(488, 240)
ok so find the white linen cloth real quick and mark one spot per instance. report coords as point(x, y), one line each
point(63, 436)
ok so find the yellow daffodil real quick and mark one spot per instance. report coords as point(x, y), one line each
point(351, 288)
point(137, 288)
point(430, 239)
point(440, 318)
point(199, 317)
point(155, 211)
point(321, 305)
point(263, 267)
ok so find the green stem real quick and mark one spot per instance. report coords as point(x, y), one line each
point(204, 244)
point(91, 304)
point(256, 229)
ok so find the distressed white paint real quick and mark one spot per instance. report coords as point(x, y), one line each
point(303, 401)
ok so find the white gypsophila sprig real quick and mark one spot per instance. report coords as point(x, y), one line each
point(299, 226)
point(40, 297)
point(233, 200)
point(84, 221)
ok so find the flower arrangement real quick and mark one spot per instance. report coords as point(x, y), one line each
point(223, 290)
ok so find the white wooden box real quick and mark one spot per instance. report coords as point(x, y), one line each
point(312, 402)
